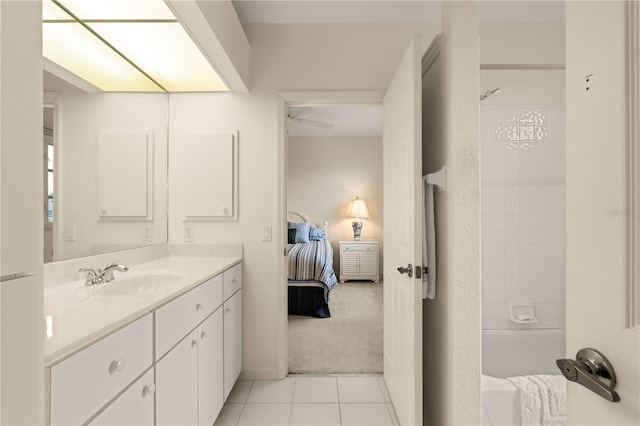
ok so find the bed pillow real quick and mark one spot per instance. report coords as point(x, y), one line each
point(302, 231)
point(316, 234)
point(291, 235)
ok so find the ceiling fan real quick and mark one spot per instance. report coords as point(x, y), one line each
point(295, 113)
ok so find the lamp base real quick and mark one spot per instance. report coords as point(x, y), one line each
point(357, 229)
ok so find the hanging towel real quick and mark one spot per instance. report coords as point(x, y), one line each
point(543, 399)
point(428, 242)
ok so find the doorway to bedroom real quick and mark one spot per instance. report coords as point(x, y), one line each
point(335, 291)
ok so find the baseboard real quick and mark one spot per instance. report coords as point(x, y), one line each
point(258, 373)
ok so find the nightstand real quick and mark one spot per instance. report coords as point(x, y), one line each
point(359, 260)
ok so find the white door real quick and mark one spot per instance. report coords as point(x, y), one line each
point(402, 156)
point(601, 284)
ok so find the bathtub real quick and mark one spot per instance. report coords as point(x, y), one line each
point(507, 353)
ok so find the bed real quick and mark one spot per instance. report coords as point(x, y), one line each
point(309, 268)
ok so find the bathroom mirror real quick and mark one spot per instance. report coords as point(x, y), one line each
point(105, 170)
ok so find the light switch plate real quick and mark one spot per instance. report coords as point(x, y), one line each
point(70, 233)
point(266, 232)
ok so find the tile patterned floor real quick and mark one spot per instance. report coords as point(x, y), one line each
point(309, 400)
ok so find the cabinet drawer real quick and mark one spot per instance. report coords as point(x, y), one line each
point(178, 317)
point(86, 381)
point(232, 280)
point(134, 407)
point(359, 247)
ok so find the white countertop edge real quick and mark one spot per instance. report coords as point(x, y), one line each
point(68, 350)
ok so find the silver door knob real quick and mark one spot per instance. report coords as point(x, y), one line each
point(592, 370)
point(408, 270)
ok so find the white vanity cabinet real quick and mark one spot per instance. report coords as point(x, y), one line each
point(195, 376)
point(177, 384)
point(86, 381)
point(232, 327)
point(189, 379)
point(120, 379)
point(134, 407)
point(175, 319)
point(210, 368)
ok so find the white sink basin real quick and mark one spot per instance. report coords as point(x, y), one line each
point(131, 286)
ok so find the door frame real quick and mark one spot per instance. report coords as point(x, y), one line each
point(286, 99)
point(51, 100)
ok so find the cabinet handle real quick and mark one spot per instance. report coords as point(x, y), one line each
point(117, 365)
point(203, 334)
point(227, 310)
point(194, 343)
point(199, 305)
point(234, 280)
point(149, 390)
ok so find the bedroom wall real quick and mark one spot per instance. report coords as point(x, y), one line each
point(325, 173)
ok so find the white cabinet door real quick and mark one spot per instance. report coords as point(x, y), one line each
point(177, 384)
point(83, 383)
point(134, 407)
point(350, 264)
point(368, 263)
point(232, 341)
point(210, 368)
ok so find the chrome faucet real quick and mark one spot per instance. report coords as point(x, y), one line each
point(99, 276)
point(106, 274)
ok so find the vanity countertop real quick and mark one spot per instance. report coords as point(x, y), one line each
point(77, 315)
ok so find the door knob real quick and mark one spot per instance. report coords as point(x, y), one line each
point(408, 270)
point(592, 370)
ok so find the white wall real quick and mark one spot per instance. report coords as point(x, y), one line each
point(325, 173)
point(284, 57)
point(81, 117)
point(22, 328)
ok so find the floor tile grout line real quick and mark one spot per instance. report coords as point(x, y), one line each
point(244, 404)
point(295, 383)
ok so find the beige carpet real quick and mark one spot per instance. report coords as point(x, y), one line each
point(348, 342)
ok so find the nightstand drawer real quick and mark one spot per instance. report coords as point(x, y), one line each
point(359, 247)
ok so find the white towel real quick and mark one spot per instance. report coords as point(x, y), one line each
point(428, 241)
point(543, 399)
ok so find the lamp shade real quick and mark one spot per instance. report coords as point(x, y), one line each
point(358, 208)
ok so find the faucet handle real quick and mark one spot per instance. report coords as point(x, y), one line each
point(92, 276)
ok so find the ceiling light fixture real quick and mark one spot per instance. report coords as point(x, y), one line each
point(126, 45)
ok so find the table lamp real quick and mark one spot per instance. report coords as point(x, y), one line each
point(357, 209)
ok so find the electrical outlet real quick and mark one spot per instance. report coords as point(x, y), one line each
point(188, 233)
point(147, 234)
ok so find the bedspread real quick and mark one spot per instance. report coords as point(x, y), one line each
point(312, 261)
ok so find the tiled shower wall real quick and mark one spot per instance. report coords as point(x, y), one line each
point(523, 213)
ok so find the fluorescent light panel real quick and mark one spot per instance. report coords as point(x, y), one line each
point(73, 47)
point(118, 9)
point(163, 50)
